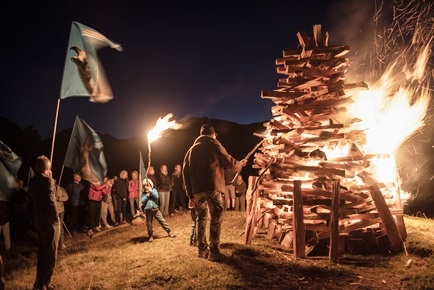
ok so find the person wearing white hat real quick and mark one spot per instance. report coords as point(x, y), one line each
point(150, 206)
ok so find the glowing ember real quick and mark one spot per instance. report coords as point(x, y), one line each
point(161, 126)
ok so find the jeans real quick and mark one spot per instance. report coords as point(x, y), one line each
point(212, 201)
point(150, 215)
point(164, 202)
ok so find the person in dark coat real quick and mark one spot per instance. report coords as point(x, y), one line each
point(121, 196)
point(203, 171)
point(42, 192)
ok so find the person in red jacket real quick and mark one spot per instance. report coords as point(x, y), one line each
point(203, 171)
point(96, 192)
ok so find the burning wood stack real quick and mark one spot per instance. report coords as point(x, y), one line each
point(315, 183)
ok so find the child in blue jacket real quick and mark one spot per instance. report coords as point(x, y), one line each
point(150, 206)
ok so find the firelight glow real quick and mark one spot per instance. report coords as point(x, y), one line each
point(161, 126)
point(393, 109)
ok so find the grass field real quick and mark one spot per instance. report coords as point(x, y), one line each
point(122, 258)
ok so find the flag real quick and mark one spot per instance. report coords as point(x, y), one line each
point(10, 163)
point(142, 169)
point(85, 153)
point(83, 74)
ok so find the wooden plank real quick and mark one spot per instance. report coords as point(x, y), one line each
point(271, 230)
point(329, 51)
point(396, 242)
point(288, 239)
point(334, 223)
point(299, 229)
point(359, 225)
point(317, 35)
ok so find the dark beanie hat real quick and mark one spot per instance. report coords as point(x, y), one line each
point(207, 129)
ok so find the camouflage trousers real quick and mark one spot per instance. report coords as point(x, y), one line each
point(212, 201)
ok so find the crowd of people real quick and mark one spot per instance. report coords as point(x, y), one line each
point(207, 183)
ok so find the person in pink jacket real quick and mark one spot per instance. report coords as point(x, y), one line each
point(96, 192)
point(133, 192)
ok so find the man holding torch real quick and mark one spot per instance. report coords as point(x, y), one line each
point(203, 171)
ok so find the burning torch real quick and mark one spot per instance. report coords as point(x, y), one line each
point(160, 127)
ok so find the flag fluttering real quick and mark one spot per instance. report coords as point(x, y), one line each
point(83, 74)
point(10, 163)
point(85, 153)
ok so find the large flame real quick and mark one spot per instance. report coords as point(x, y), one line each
point(162, 125)
point(395, 106)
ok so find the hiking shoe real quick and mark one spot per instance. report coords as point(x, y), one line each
point(151, 239)
point(171, 235)
point(216, 257)
point(204, 254)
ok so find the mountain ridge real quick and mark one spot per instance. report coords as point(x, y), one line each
point(122, 154)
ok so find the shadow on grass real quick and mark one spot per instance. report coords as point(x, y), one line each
point(273, 269)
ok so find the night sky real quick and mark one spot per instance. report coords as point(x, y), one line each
point(190, 58)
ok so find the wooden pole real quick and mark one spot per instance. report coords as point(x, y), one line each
point(396, 242)
point(247, 158)
point(299, 229)
point(334, 223)
point(55, 128)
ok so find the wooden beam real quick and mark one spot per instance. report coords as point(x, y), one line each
point(299, 229)
point(334, 223)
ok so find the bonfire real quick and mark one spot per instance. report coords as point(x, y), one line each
point(327, 165)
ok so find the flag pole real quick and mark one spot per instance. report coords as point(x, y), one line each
point(140, 180)
point(55, 128)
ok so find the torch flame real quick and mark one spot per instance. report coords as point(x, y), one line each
point(161, 126)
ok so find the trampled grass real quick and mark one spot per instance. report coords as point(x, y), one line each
point(122, 258)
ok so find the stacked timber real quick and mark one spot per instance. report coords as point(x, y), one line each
point(315, 182)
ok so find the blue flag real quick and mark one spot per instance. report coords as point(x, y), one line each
point(85, 153)
point(10, 163)
point(83, 75)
